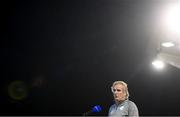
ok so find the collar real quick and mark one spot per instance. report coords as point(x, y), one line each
point(120, 103)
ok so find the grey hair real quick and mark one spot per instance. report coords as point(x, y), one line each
point(125, 86)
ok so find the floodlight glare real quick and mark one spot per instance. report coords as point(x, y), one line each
point(173, 17)
point(158, 64)
point(167, 44)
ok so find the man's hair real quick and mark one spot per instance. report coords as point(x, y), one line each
point(125, 87)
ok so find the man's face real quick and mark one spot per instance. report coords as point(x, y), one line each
point(119, 92)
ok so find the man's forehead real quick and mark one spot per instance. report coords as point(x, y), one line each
point(119, 86)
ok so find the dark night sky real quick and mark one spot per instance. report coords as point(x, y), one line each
point(68, 53)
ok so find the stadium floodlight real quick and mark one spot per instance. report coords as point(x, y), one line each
point(167, 44)
point(158, 64)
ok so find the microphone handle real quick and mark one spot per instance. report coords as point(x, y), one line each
point(87, 113)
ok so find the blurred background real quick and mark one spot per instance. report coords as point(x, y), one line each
point(61, 57)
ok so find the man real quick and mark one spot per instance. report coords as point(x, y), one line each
point(123, 106)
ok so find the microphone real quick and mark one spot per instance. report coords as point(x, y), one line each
point(95, 109)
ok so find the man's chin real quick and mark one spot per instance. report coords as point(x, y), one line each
point(118, 100)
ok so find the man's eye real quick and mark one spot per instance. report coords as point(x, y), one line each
point(118, 90)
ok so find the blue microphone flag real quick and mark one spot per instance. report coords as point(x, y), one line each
point(97, 108)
